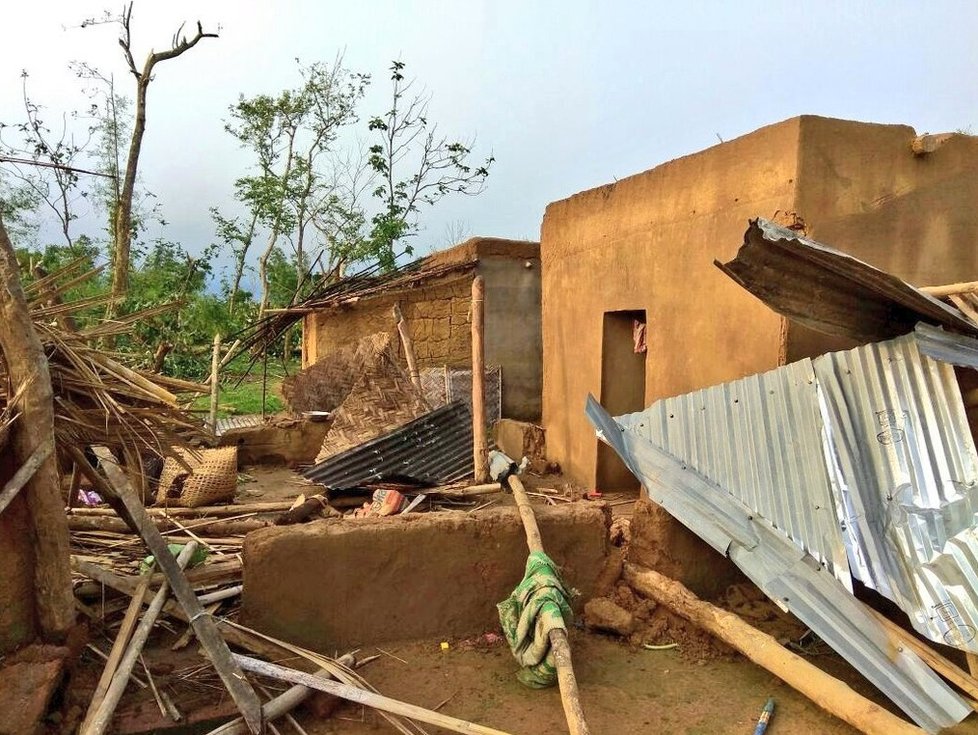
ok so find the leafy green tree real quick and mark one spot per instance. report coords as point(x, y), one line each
point(415, 167)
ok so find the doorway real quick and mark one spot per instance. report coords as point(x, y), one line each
point(623, 353)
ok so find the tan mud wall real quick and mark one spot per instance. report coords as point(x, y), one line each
point(335, 585)
point(862, 190)
point(648, 242)
point(437, 317)
point(439, 322)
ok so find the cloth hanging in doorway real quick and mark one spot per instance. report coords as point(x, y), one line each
point(638, 334)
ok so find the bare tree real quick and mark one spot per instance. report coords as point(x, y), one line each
point(180, 44)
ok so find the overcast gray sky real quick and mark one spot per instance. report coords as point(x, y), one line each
point(567, 95)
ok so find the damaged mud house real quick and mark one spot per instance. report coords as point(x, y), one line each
point(711, 436)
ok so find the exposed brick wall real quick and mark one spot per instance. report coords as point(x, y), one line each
point(437, 318)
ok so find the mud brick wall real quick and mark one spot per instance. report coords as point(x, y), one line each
point(437, 317)
point(332, 585)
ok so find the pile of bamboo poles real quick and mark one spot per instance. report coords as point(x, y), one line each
point(97, 399)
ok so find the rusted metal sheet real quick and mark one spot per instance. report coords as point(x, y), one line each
point(433, 449)
point(832, 292)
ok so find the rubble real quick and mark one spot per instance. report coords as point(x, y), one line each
point(603, 614)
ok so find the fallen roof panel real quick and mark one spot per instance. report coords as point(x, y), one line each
point(830, 291)
point(785, 573)
point(435, 448)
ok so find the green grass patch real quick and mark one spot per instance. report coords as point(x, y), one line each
point(237, 399)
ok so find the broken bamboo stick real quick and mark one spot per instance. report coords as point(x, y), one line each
point(124, 499)
point(408, 345)
point(204, 511)
point(283, 703)
point(570, 697)
point(215, 382)
point(100, 711)
point(362, 696)
point(480, 461)
point(26, 472)
point(832, 695)
point(120, 644)
point(217, 527)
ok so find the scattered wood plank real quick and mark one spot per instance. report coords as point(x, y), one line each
point(832, 695)
point(214, 527)
point(125, 501)
point(119, 646)
point(283, 703)
point(362, 696)
point(205, 511)
point(100, 711)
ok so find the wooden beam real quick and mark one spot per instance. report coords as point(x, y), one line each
point(950, 288)
point(408, 345)
point(832, 695)
point(27, 371)
point(479, 445)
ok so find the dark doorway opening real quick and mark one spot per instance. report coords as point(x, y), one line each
point(623, 355)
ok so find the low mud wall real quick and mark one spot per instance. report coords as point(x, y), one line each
point(333, 585)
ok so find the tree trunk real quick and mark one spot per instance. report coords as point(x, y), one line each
point(27, 367)
point(239, 264)
point(123, 212)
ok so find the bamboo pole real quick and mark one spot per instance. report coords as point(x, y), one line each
point(215, 381)
point(97, 721)
point(479, 461)
point(569, 694)
point(283, 703)
point(832, 695)
point(362, 696)
point(408, 344)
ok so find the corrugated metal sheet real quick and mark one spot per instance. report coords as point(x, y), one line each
point(435, 448)
point(830, 291)
point(906, 470)
point(862, 461)
point(761, 440)
point(784, 572)
point(237, 422)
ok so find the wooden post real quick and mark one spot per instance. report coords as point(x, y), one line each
point(569, 695)
point(412, 362)
point(480, 463)
point(27, 369)
point(832, 695)
point(215, 381)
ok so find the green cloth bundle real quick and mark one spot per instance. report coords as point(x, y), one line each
point(538, 605)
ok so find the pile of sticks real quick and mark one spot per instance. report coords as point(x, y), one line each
point(97, 399)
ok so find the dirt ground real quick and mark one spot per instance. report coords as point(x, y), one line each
point(624, 690)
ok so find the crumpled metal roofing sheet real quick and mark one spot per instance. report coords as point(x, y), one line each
point(760, 439)
point(435, 448)
point(906, 471)
point(830, 291)
point(785, 573)
point(861, 460)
